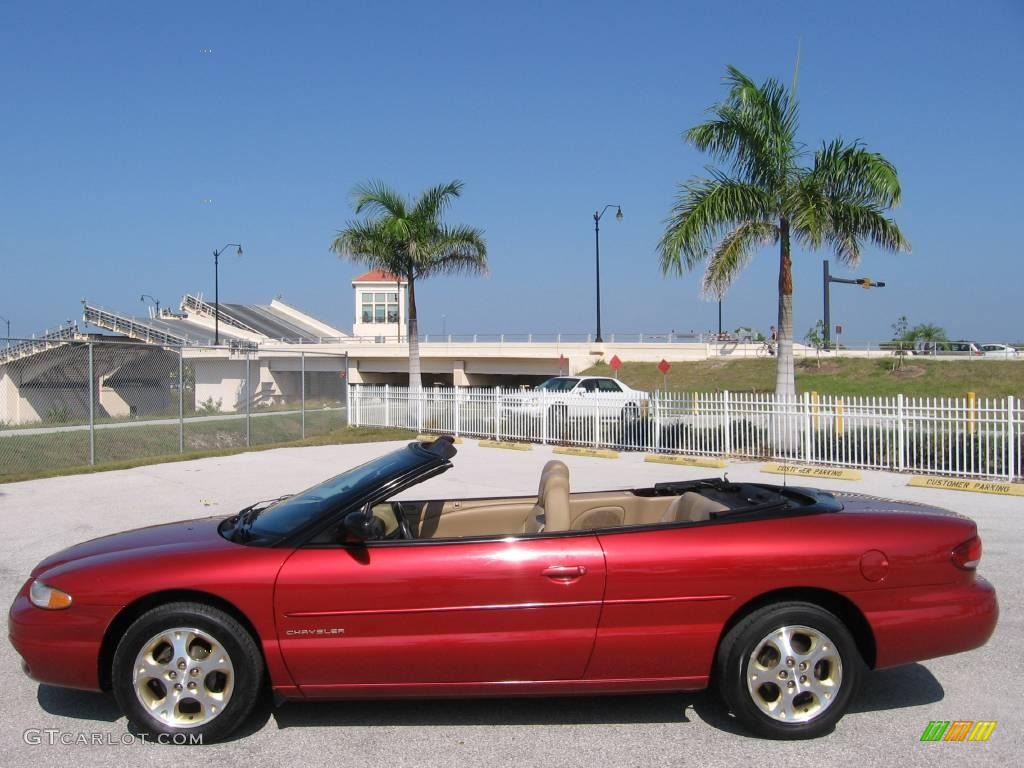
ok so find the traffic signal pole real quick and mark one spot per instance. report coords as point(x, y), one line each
point(827, 280)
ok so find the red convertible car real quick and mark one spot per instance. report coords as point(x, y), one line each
point(779, 597)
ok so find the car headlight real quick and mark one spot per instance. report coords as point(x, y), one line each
point(43, 596)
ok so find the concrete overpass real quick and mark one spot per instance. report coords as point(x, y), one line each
point(274, 353)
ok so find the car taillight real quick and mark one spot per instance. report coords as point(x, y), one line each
point(967, 555)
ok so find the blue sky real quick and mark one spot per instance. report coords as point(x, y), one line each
point(116, 125)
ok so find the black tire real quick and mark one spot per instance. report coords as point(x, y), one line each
point(558, 422)
point(239, 688)
point(819, 711)
point(629, 425)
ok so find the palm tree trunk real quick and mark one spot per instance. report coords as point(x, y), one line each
point(787, 432)
point(785, 381)
point(415, 379)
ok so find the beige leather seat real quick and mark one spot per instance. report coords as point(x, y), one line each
point(552, 467)
point(691, 508)
point(551, 512)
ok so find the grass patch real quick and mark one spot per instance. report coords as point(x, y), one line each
point(843, 376)
point(67, 453)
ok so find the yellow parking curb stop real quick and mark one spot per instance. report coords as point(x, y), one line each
point(431, 438)
point(507, 446)
point(831, 473)
point(686, 461)
point(593, 453)
point(978, 486)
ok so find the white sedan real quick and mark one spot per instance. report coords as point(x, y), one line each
point(1000, 351)
point(574, 396)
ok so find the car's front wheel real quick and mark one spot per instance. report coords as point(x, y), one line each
point(789, 671)
point(188, 669)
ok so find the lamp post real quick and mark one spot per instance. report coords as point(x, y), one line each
point(216, 290)
point(145, 296)
point(8, 330)
point(597, 255)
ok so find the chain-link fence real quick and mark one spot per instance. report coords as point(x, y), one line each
point(70, 402)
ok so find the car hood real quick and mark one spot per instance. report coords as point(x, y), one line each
point(195, 535)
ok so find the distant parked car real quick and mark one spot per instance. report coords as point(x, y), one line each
point(947, 348)
point(1000, 350)
point(571, 397)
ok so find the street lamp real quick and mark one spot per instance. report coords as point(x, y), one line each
point(216, 290)
point(597, 256)
point(8, 330)
point(145, 296)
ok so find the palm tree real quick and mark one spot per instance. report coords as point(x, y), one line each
point(407, 238)
point(926, 332)
point(769, 195)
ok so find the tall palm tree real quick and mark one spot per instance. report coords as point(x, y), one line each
point(769, 195)
point(407, 238)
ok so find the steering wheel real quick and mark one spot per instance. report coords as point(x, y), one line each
point(403, 524)
point(395, 528)
point(402, 530)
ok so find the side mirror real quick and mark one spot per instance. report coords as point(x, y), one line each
point(362, 526)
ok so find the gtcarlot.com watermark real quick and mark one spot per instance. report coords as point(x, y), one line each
point(55, 736)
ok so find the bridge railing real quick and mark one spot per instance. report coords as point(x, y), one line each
point(196, 304)
point(46, 340)
point(129, 326)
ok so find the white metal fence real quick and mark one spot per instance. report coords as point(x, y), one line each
point(966, 437)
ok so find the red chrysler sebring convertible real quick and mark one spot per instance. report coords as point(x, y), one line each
point(780, 597)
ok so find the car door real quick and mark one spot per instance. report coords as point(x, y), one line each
point(448, 611)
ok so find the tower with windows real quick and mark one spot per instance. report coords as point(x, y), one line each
point(380, 306)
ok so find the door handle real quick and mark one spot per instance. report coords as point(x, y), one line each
point(564, 572)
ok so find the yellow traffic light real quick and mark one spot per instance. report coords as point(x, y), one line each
point(865, 282)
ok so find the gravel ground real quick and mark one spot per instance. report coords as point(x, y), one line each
point(883, 727)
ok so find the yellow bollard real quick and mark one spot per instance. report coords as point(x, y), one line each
point(839, 416)
point(971, 411)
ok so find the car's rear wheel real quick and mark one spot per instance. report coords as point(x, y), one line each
point(187, 668)
point(558, 422)
point(789, 671)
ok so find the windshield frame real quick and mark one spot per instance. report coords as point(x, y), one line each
point(427, 464)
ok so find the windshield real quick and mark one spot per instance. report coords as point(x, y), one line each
point(559, 384)
point(293, 512)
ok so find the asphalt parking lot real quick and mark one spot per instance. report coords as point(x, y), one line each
point(883, 727)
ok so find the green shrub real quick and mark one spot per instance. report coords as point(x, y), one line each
point(58, 414)
point(209, 408)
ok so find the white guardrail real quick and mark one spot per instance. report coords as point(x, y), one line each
point(964, 437)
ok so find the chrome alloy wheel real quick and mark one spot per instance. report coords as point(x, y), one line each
point(183, 677)
point(794, 674)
